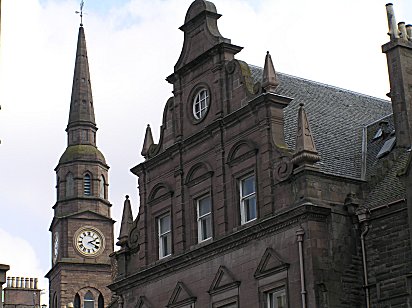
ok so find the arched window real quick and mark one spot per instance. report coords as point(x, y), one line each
point(100, 301)
point(102, 190)
point(55, 300)
point(76, 303)
point(69, 185)
point(87, 185)
point(89, 300)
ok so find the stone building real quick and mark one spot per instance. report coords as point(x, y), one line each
point(21, 292)
point(82, 227)
point(269, 190)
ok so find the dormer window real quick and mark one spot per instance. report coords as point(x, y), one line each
point(200, 104)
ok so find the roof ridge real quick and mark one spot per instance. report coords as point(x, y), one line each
point(326, 85)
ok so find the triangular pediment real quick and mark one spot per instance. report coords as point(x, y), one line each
point(223, 281)
point(270, 263)
point(181, 296)
point(143, 303)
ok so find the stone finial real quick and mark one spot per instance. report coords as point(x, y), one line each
point(305, 151)
point(269, 81)
point(148, 141)
point(127, 221)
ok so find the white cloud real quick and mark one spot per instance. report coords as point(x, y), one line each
point(22, 258)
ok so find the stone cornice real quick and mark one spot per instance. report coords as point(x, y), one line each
point(242, 236)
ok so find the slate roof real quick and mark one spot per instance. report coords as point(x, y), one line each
point(336, 118)
point(389, 187)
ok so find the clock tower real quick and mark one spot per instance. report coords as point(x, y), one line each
point(82, 228)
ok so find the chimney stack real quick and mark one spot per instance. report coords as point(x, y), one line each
point(399, 59)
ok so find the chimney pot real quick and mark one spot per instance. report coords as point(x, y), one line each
point(393, 29)
point(409, 32)
point(402, 31)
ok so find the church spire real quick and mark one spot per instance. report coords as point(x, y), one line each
point(81, 127)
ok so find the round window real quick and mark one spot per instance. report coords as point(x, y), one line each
point(200, 104)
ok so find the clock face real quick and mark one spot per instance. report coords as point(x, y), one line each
point(89, 241)
point(55, 247)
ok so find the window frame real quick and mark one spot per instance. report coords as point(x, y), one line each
point(200, 218)
point(273, 283)
point(246, 197)
point(267, 294)
point(88, 300)
point(161, 236)
point(198, 100)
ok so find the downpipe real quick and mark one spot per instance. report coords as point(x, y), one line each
point(299, 237)
point(365, 268)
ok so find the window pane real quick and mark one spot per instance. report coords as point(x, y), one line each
point(166, 245)
point(248, 186)
point(250, 208)
point(206, 227)
point(204, 206)
point(88, 304)
point(164, 224)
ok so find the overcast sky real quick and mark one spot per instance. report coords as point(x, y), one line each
point(132, 47)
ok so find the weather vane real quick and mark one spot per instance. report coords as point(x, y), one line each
point(81, 12)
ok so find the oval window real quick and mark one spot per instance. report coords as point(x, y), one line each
point(200, 104)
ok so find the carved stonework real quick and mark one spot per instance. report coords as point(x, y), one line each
point(230, 67)
point(134, 236)
point(282, 169)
